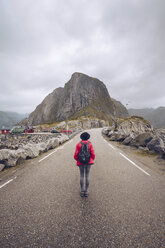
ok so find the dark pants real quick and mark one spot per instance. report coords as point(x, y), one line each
point(84, 169)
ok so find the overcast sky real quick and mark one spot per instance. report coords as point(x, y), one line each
point(120, 42)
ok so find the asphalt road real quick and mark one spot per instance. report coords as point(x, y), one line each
point(40, 205)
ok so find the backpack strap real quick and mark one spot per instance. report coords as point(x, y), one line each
point(85, 144)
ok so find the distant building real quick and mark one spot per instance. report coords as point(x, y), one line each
point(5, 130)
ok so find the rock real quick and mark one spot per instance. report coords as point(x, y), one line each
point(8, 157)
point(52, 143)
point(106, 131)
point(144, 149)
point(2, 166)
point(138, 132)
point(31, 151)
point(29, 148)
point(61, 125)
point(102, 123)
point(135, 125)
point(110, 133)
point(141, 139)
point(115, 137)
point(63, 138)
point(128, 139)
point(163, 155)
point(42, 147)
point(157, 145)
point(120, 136)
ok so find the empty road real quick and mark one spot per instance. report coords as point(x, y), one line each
point(40, 205)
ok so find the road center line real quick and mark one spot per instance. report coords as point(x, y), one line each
point(135, 164)
point(7, 182)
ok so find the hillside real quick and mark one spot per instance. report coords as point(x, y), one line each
point(8, 119)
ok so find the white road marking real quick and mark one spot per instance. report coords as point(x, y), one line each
point(47, 156)
point(7, 182)
point(59, 148)
point(135, 164)
point(111, 146)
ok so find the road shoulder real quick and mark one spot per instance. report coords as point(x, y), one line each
point(152, 161)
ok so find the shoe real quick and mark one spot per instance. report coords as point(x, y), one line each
point(82, 193)
point(86, 194)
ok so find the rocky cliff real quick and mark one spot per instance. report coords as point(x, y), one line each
point(120, 109)
point(81, 96)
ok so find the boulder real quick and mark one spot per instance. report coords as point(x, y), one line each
point(157, 145)
point(128, 139)
point(135, 124)
point(163, 155)
point(110, 133)
point(142, 139)
point(31, 151)
point(52, 143)
point(29, 148)
point(106, 130)
point(21, 154)
point(8, 157)
point(63, 138)
point(42, 147)
point(2, 166)
point(117, 137)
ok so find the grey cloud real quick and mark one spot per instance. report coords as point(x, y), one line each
point(120, 42)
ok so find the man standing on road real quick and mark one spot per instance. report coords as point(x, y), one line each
point(84, 155)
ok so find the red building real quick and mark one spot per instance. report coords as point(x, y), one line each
point(5, 130)
point(29, 130)
point(66, 131)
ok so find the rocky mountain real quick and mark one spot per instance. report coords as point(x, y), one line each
point(8, 119)
point(155, 116)
point(81, 96)
point(120, 109)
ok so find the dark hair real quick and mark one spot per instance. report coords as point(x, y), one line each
point(85, 136)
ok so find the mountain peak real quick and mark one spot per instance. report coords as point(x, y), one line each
point(82, 95)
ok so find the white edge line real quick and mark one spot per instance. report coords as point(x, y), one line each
point(47, 156)
point(109, 144)
point(59, 148)
point(135, 164)
point(6, 183)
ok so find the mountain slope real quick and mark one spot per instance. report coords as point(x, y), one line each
point(81, 96)
point(8, 119)
point(120, 109)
